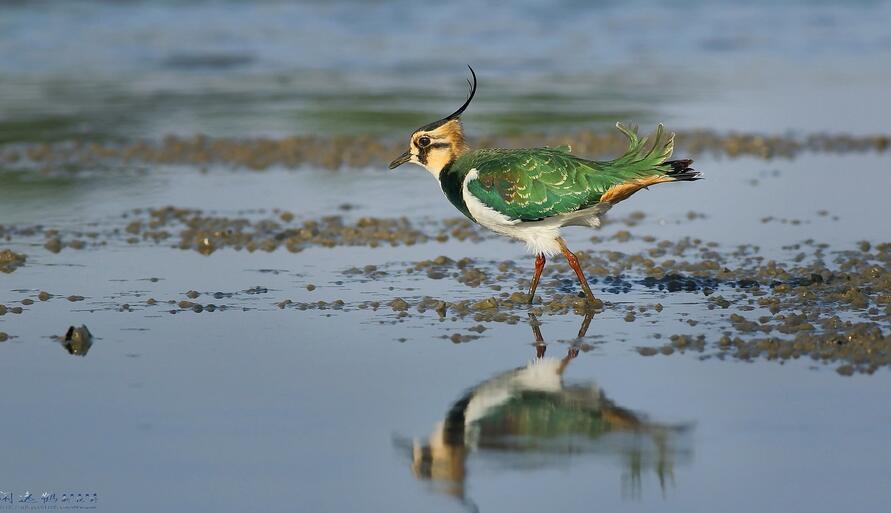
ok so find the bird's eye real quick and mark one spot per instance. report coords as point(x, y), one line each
point(423, 141)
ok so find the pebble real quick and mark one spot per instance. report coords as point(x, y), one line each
point(398, 305)
point(10, 260)
point(53, 245)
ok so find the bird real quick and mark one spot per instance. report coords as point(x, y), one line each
point(528, 414)
point(529, 194)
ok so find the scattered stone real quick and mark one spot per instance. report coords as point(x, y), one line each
point(485, 304)
point(845, 370)
point(53, 245)
point(77, 340)
point(398, 305)
point(10, 260)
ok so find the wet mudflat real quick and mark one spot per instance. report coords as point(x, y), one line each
point(285, 323)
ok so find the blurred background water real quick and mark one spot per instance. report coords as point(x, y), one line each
point(103, 69)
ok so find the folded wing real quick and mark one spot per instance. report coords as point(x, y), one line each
point(536, 183)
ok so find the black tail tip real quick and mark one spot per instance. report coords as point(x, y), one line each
point(681, 170)
point(679, 166)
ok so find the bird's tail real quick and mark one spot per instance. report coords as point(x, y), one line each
point(645, 159)
point(680, 170)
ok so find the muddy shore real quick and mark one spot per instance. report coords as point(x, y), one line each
point(829, 304)
point(360, 151)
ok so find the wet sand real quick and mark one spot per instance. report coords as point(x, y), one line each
point(360, 151)
point(788, 297)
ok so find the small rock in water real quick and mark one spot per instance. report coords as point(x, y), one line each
point(10, 260)
point(53, 245)
point(77, 340)
point(845, 370)
point(399, 305)
point(485, 304)
point(206, 246)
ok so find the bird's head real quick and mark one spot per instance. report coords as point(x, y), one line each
point(436, 144)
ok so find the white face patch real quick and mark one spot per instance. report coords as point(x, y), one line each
point(434, 155)
point(434, 148)
point(432, 170)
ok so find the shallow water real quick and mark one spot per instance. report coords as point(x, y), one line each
point(252, 410)
point(233, 378)
point(254, 405)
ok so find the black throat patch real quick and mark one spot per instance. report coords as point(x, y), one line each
point(452, 184)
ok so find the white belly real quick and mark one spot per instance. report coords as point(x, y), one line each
point(540, 236)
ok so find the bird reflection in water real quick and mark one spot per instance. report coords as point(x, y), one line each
point(528, 418)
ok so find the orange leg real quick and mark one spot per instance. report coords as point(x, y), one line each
point(539, 267)
point(571, 353)
point(540, 346)
point(583, 330)
point(574, 263)
point(540, 350)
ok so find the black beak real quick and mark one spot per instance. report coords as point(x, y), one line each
point(402, 159)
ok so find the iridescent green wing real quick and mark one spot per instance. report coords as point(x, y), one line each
point(536, 183)
point(532, 415)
